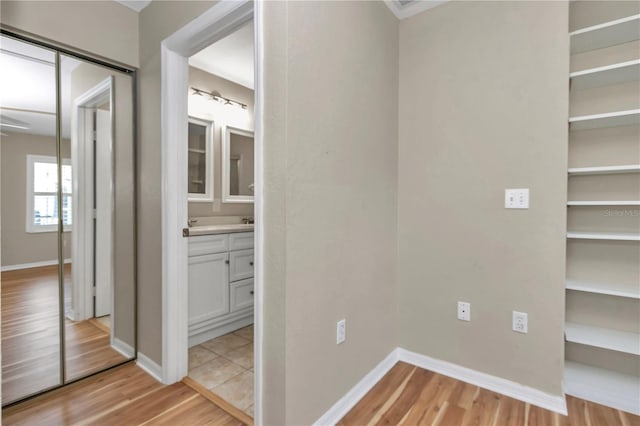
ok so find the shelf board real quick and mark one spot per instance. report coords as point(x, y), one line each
point(620, 391)
point(603, 203)
point(610, 289)
point(629, 168)
point(606, 338)
point(609, 119)
point(620, 236)
point(197, 151)
point(607, 75)
point(605, 35)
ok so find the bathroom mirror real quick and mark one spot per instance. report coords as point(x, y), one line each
point(200, 157)
point(237, 165)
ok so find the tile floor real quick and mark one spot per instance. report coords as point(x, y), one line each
point(224, 365)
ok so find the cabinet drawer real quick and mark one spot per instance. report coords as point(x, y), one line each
point(241, 241)
point(240, 265)
point(208, 244)
point(241, 294)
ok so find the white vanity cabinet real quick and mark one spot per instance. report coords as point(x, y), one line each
point(220, 285)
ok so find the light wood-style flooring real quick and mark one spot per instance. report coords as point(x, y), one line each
point(409, 395)
point(123, 396)
point(31, 338)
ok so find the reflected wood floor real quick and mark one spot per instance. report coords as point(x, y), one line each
point(30, 335)
point(409, 395)
point(125, 395)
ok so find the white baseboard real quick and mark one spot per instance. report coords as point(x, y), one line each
point(505, 387)
point(351, 398)
point(502, 386)
point(123, 348)
point(149, 366)
point(31, 265)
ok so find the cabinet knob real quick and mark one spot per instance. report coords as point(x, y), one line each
point(251, 263)
point(251, 292)
point(226, 261)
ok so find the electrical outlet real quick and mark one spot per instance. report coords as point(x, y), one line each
point(464, 311)
point(520, 322)
point(341, 331)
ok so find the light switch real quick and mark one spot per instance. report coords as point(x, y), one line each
point(516, 198)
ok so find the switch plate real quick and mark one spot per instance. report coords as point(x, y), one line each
point(520, 322)
point(341, 331)
point(516, 198)
point(464, 311)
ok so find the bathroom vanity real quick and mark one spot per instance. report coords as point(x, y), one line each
point(220, 280)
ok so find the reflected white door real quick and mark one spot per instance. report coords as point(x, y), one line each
point(104, 214)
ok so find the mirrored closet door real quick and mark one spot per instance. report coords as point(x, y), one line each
point(68, 218)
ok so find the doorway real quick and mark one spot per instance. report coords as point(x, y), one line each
point(215, 24)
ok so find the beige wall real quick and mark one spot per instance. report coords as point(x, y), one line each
point(157, 21)
point(484, 107)
point(331, 167)
point(204, 109)
point(104, 28)
point(19, 246)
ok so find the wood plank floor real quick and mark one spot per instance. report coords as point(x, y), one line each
point(30, 336)
point(125, 395)
point(409, 395)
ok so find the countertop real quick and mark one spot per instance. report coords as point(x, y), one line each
point(195, 231)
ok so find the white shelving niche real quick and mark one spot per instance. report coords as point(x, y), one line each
point(604, 383)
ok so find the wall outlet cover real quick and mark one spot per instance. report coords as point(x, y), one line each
point(520, 322)
point(341, 331)
point(464, 311)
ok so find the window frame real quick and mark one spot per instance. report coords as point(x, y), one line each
point(30, 227)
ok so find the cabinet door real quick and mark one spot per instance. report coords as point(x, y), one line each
point(241, 265)
point(208, 287)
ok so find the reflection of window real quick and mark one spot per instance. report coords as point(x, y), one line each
point(42, 194)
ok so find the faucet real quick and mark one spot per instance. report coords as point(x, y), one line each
point(247, 220)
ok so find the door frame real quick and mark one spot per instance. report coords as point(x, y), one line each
point(82, 263)
point(216, 23)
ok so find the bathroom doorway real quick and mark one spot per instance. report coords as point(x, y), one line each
point(220, 157)
point(217, 241)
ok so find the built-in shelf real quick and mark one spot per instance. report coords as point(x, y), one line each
point(605, 35)
point(609, 119)
point(607, 75)
point(603, 203)
point(197, 151)
point(620, 391)
point(605, 170)
point(620, 236)
point(611, 289)
point(606, 338)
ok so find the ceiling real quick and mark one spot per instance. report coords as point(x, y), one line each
point(230, 58)
point(28, 89)
point(136, 5)
point(407, 8)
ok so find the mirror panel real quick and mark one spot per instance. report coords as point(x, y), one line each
point(200, 157)
point(31, 308)
point(97, 123)
point(238, 165)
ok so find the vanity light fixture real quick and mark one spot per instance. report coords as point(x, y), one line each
point(215, 96)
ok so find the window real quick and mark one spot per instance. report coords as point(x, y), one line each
point(42, 196)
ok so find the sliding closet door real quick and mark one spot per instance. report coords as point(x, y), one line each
point(31, 308)
point(68, 217)
point(97, 110)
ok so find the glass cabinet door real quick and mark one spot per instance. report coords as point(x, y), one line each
point(200, 158)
